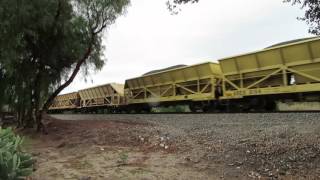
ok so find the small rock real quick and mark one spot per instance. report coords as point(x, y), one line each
point(85, 178)
point(270, 174)
point(36, 154)
point(254, 175)
point(281, 172)
point(187, 159)
point(61, 145)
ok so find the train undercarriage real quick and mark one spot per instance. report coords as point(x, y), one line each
point(271, 103)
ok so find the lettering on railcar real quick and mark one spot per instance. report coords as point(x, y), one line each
point(247, 92)
point(240, 93)
point(254, 91)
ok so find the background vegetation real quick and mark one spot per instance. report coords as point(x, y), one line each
point(43, 46)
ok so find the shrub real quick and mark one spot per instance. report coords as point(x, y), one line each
point(14, 164)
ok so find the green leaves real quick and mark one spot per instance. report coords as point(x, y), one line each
point(14, 164)
point(43, 41)
point(312, 14)
point(173, 5)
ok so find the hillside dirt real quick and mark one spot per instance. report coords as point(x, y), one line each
point(130, 147)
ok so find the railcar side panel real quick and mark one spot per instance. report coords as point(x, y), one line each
point(192, 83)
point(291, 68)
point(66, 101)
point(104, 95)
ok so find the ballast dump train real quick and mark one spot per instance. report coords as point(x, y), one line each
point(272, 79)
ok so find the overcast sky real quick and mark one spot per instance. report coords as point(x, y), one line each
point(148, 37)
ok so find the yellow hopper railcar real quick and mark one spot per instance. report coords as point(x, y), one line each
point(184, 85)
point(68, 101)
point(288, 72)
point(110, 96)
point(261, 80)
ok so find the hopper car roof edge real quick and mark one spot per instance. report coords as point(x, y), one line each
point(66, 94)
point(272, 48)
point(100, 86)
point(198, 64)
point(69, 93)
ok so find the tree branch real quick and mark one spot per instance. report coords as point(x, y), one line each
point(49, 101)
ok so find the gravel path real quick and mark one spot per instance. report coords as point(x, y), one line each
point(272, 145)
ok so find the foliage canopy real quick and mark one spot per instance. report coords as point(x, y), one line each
point(311, 7)
point(312, 13)
point(174, 4)
point(45, 43)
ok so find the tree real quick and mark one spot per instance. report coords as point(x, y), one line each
point(2, 88)
point(311, 16)
point(312, 13)
point(46, 43)
point(174, 4)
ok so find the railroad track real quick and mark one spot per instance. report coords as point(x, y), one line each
point(186, 113)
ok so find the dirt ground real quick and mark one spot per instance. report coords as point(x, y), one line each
point(106, 150)
point(144, 148)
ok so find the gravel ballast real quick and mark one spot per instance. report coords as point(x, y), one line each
point(272, 145)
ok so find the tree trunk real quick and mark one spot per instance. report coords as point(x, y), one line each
point(40, 125)
point(36, 97)
point(28, 119)
point(20, 116)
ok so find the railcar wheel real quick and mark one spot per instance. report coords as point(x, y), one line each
point(262, 104)
point(195, 108)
